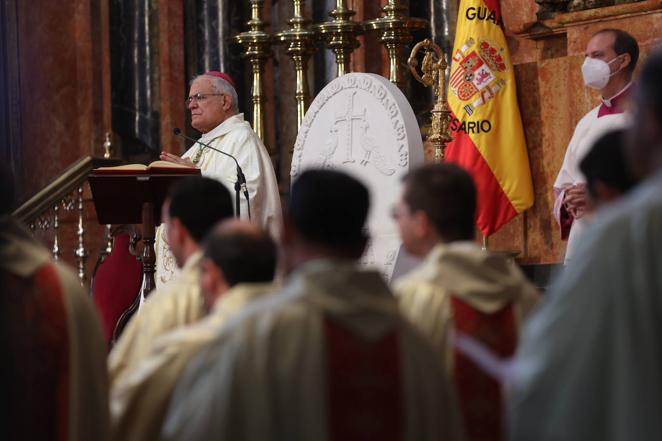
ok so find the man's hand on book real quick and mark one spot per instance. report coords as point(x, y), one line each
point(169, 157)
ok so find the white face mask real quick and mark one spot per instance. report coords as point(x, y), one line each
point(596, 72)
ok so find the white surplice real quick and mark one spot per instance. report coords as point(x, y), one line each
point(235, 137)
point(590, 362)
point(589, 129)
point(263, 378)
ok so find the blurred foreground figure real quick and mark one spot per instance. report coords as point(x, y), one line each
point(327, 358)
point(460, 287)
point(53, 382)
point(590, 364)
point(237, 267)
point(606, 171)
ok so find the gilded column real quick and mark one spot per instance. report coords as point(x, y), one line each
point(340, 35)
point(395, 29)
point(433, 68)
point(256, 44)
point(300, 43)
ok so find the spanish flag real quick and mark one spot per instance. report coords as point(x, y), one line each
point(488, 138)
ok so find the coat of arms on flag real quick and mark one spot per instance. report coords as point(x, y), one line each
point(474, 73)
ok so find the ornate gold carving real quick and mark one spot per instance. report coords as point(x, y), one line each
point(340, 34)
point(433, 69)
point(256, 45)
point(395, 29)
point(300, 46)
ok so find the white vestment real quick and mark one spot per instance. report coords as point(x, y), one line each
point(235, 137)
point(590, 362)
point(589, 129)
point(484, 280)
point(139, 401)
point(264, 376)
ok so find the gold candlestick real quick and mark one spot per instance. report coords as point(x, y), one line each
point(300, 46)
point(395, 33)
point(340, 34)
point(433, 68)
point(256, 45)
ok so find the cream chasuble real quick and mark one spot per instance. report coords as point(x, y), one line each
point(483, 280)
point(267, 375)
point(175, 305)
point(54, 318)
point(139, 402)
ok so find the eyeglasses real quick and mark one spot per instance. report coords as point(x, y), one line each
point(200, 97)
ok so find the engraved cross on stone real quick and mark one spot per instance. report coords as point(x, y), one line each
point(349, 117)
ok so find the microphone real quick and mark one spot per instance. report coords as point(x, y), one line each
point(241, 178)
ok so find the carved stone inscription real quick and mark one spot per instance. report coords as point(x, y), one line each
point(363, 124)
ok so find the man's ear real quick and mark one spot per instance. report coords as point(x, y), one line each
point(626, 60)
point(177, 230)
point(227, 102)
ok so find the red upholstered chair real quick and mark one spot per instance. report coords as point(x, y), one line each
point(479, 395)
point(117, 281)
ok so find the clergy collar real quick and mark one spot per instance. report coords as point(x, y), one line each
point(615, 100)
point(223, 128)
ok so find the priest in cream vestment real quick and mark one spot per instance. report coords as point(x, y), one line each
point(237, 267)
point(52, 376)
point(194, 205)
point(327, 358)
point(459, 287)
point(213, 105)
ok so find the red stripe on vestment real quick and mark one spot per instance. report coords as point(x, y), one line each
point(51, 292)
point(479, 395)
point(363, 386)
point(494, 208)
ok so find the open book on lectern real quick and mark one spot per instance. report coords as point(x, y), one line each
point(154, 168)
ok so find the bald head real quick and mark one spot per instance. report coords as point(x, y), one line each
point(242, 251)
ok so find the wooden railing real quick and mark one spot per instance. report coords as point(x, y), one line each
point(65, 194)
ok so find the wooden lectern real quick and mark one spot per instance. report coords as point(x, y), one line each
point(123, 196)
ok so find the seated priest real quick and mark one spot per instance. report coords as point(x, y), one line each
point(238, 266)
point(212, 102)
point(52, 376)
point(328, 357)
point(193, 206)
point(459, 287)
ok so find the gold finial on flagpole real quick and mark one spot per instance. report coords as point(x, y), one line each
point(395, 33)
point(256, 45)
point(340, 34)
point(300, 46)
point(433, 69)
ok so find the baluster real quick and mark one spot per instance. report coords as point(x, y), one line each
point(56, 229)
point(81, 252)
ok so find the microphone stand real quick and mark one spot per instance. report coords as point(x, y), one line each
point(239, 185)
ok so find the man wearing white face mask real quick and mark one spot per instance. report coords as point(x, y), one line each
point(611, 56)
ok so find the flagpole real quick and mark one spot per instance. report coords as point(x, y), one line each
point(485, 244)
